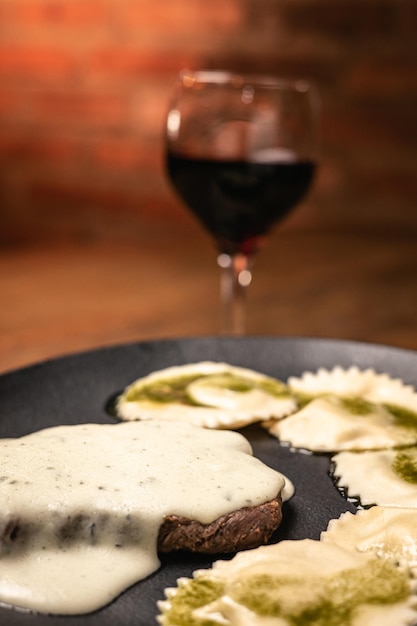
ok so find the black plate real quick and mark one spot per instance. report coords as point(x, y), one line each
point(76, 389)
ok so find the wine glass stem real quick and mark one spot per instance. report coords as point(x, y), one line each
point(235, 277)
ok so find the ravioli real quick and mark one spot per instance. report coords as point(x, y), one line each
point(207, 394)
point(293, 583)
point(382, 477)
point(385, 531)
point(352, 382)
point(349, 410)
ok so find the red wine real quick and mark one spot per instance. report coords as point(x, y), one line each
point(239, 201)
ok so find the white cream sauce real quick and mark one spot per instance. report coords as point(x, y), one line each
point(81, 506)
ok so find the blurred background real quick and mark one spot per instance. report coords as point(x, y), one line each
point(94, 246)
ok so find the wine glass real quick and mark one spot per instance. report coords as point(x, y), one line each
point(241, 153)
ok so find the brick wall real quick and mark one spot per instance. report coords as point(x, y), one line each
point(83, 87)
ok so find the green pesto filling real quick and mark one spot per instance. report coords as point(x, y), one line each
point(402, 417)
point(192, 595)
point(405, 418)
point(405, 465)
point(334, 603)
point(164, 391)
point(302, 399)
point(354, 404)
point(297, 600)
point(176, 389)
point(357, 405)
point(240, 384)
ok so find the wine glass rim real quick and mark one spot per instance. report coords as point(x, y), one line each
point(239, 79)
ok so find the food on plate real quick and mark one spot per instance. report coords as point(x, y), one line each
point(383, 477)
point(86, 510)
point(350, 382)
point(293, 583)
point(349, 410)
point(82, 507)
point(208, 394)
point(242, 529)
point(385, 531)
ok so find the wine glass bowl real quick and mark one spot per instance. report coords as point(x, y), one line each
point(241, 153)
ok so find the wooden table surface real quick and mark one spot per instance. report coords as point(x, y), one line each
point(63, 298)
